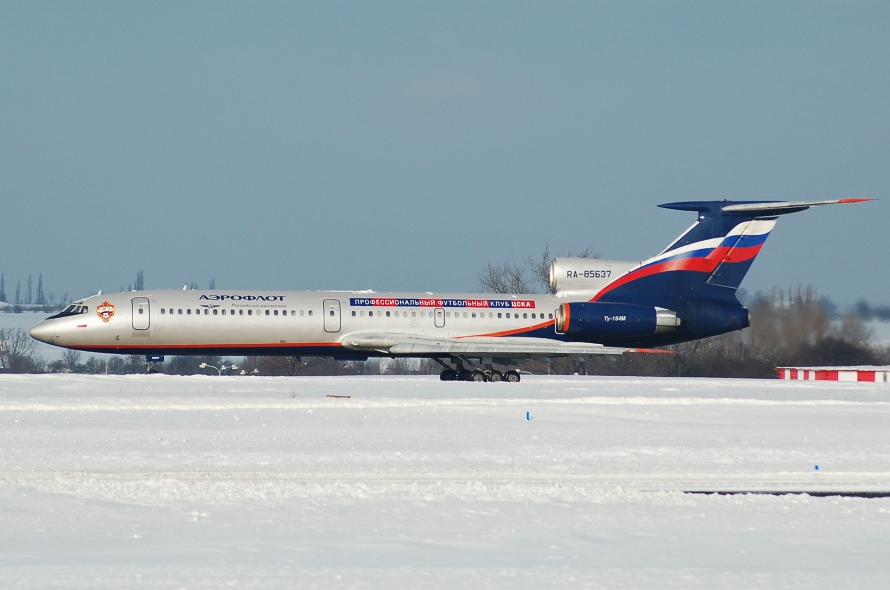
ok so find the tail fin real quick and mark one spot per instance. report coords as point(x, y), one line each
point(713, 256)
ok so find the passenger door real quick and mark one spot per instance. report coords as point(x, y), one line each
point(141, 313)
point(331, 315)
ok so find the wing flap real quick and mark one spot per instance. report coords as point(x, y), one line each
point(502, 347)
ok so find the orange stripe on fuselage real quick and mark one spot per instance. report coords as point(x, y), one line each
point(512, 332)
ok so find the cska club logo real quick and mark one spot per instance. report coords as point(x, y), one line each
point(105, 311)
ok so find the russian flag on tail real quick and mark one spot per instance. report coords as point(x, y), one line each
point(717, 251)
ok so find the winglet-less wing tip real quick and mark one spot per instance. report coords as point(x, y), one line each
point(650, 351)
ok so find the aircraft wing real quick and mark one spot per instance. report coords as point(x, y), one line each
point(512, 348)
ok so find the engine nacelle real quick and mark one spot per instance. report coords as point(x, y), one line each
point(614, 319)
point(587, 275)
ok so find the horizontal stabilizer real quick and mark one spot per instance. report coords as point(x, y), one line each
point(753, 208)
point(779, 208)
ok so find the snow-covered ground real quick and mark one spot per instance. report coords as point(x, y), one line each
point(259, 482)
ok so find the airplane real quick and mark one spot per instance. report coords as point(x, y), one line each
point(598, 307)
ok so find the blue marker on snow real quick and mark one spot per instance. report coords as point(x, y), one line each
point(528, 417)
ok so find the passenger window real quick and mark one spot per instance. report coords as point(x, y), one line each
point(310, 312)
point(500, 315)
point(387, 313)
point(141, 311)
point(249, 312)
point(474, 314)
point(162, 311)
point(267, 312)
point(276, 312)
point(525, 316)
point(207, 311)
point(370, 314)
point(550, 316)
point(353, 313)
point(413, 314)
point(180, 312)
point(188, 312)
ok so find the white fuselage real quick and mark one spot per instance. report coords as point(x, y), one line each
point(285, 322)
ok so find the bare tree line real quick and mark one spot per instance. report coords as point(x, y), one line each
point(30, 295)
point(33, 297)
point(532, 275)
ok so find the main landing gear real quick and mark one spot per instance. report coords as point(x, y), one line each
point(461, 373)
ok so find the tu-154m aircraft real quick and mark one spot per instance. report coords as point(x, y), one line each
point(605, 307)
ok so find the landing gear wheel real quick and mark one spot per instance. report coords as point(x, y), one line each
point(448, 375)
point(478, 376)
point(464, 375)
point(495, 376)
point(511, 377)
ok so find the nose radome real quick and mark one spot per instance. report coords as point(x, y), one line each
point(43, 332)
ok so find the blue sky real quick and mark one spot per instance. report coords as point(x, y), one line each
point(402, 146)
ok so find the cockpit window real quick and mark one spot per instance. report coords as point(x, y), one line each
point(73, 309)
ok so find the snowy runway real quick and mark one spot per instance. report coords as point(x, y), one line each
point(266, 482)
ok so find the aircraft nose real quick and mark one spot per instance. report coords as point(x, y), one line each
point(44, 332)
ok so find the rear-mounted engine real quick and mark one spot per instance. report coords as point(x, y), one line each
point(585, 275)
point(587, 320)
